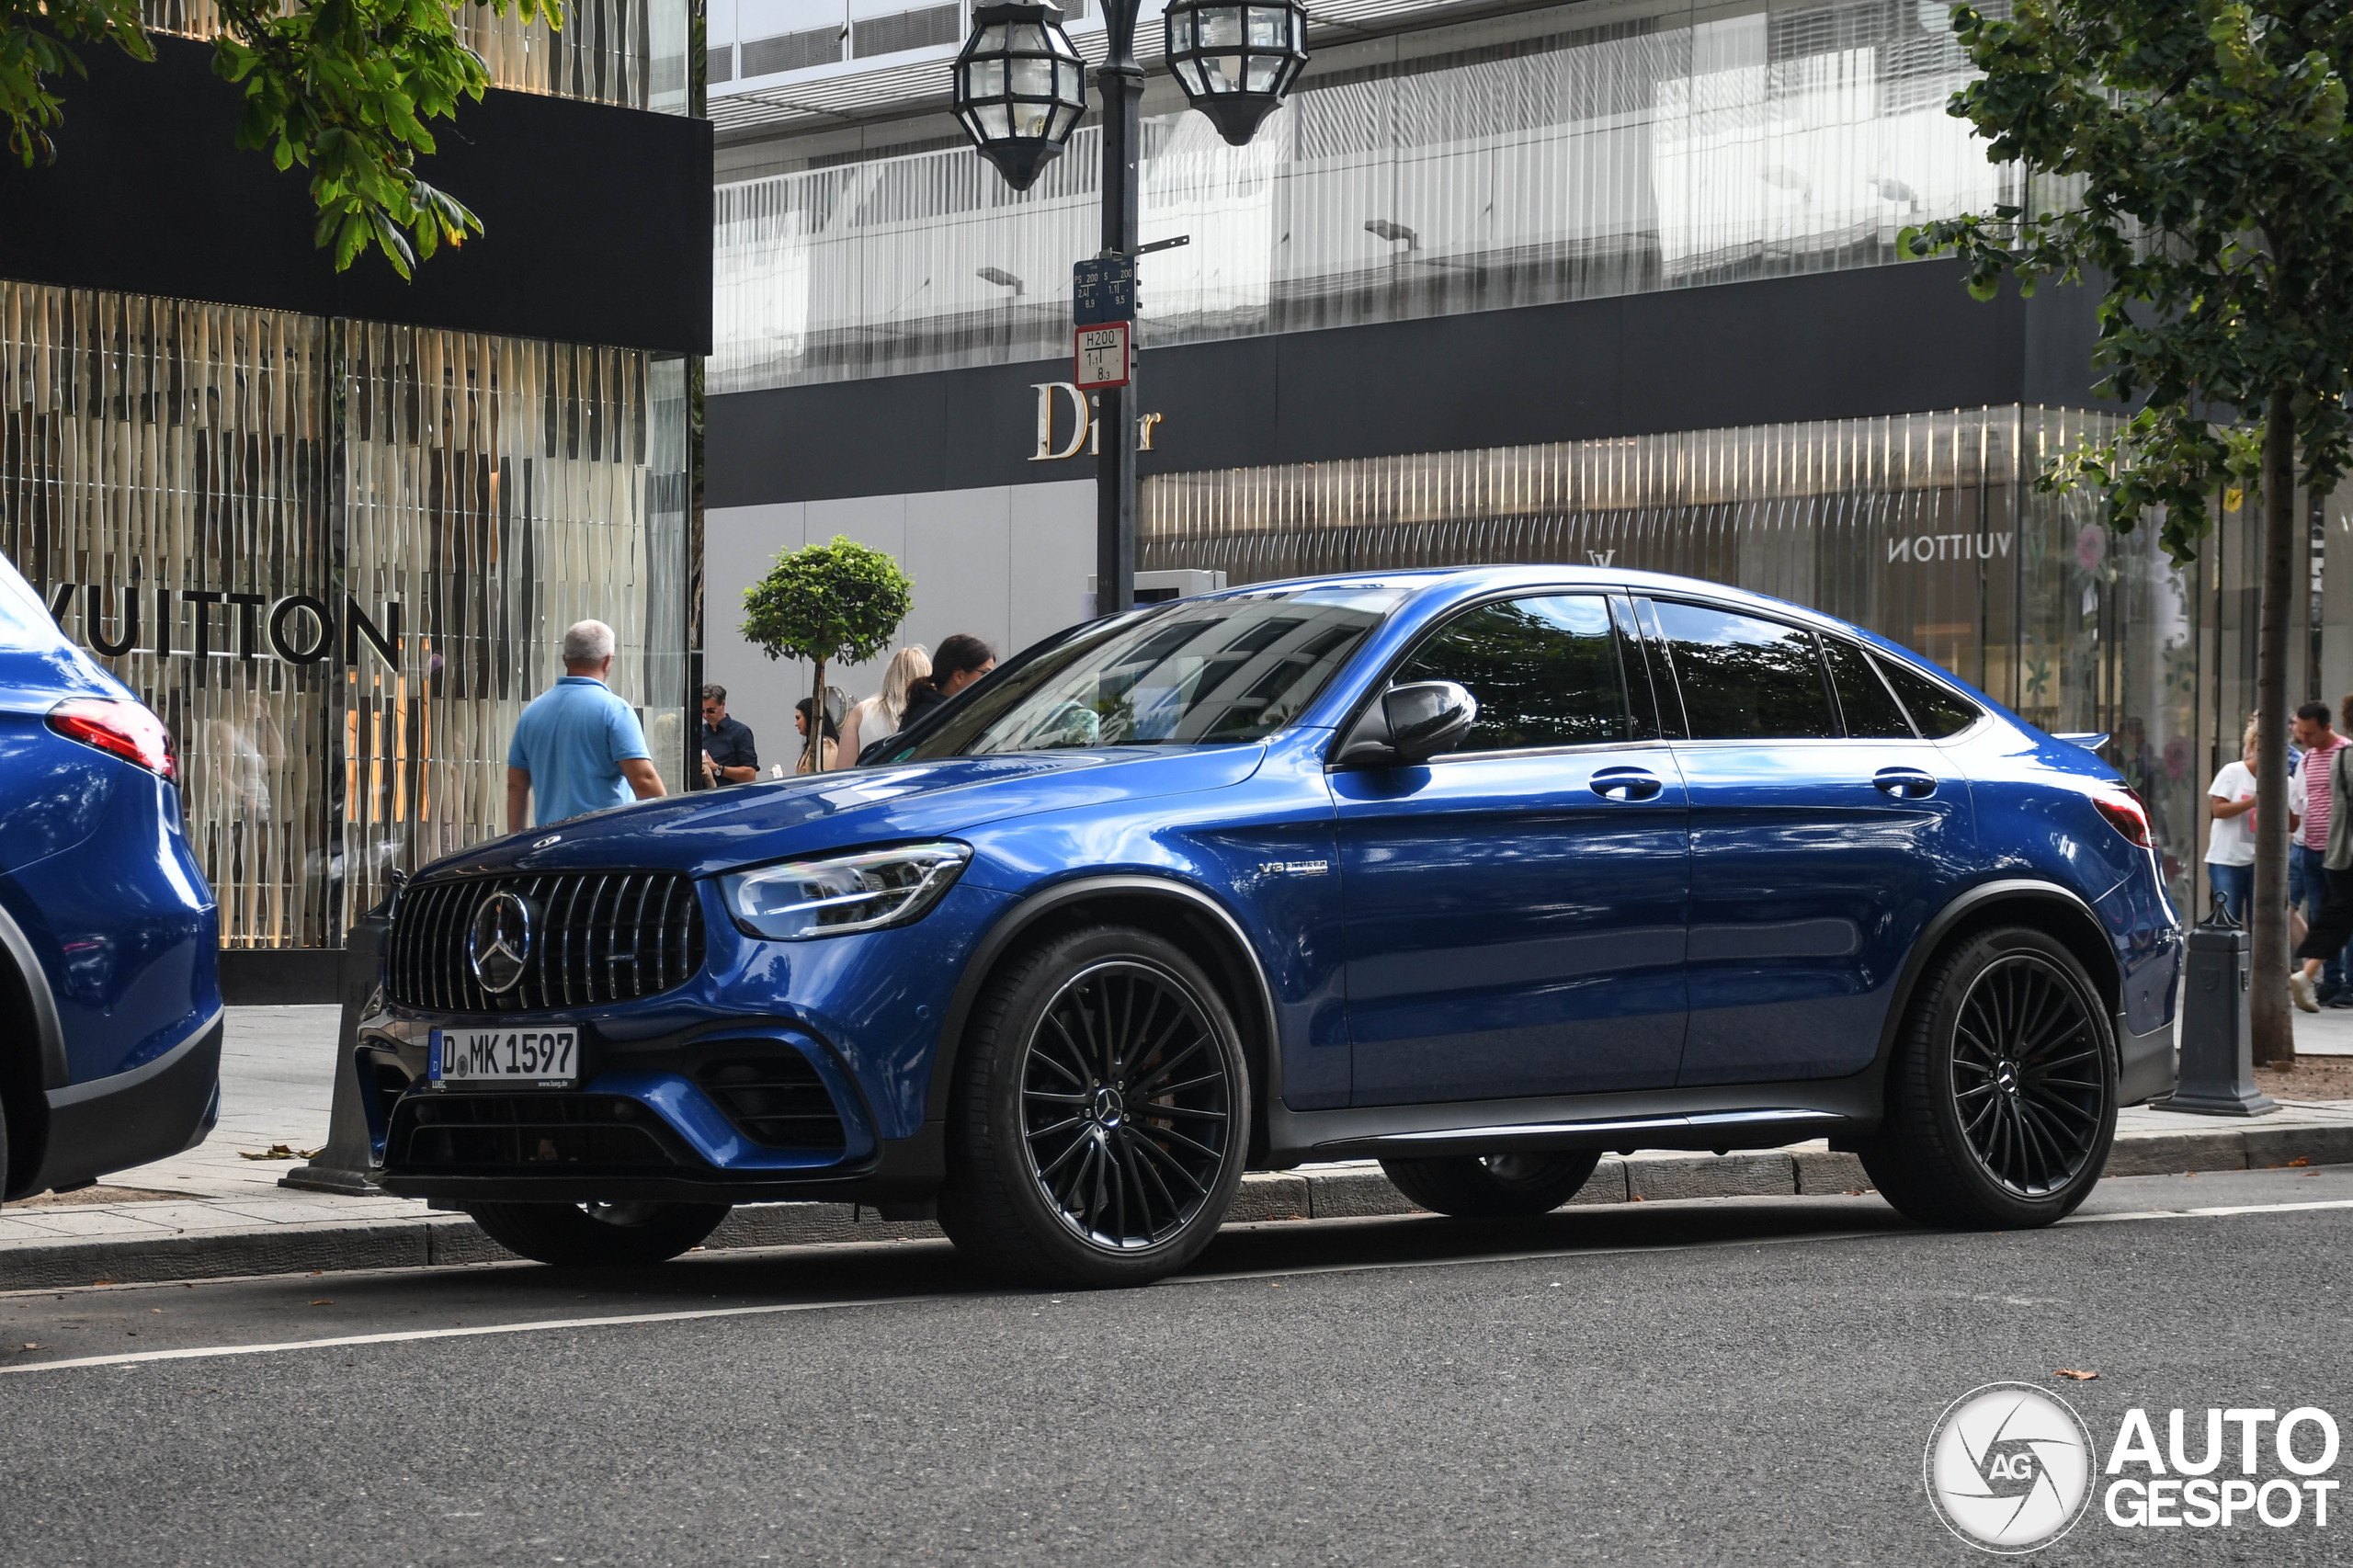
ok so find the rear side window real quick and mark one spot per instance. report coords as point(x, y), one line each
point(1937, 712)
point(1545, 671)
point(1870, 709)
point(1744, 678)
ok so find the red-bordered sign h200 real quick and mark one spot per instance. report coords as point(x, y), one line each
point(1106, 355)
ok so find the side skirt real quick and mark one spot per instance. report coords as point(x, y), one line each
point(1736, 1116)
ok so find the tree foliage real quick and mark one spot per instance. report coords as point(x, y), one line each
point(2190, 157)
point(829, 604)
point(342, 87)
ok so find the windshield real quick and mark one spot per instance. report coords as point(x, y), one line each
point(1198, 672)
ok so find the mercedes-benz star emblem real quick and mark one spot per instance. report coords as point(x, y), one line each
point(499, 946)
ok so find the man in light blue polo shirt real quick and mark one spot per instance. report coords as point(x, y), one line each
point(577, 747)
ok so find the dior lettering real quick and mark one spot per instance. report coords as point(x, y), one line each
point(1086, 434)
point(299, 629)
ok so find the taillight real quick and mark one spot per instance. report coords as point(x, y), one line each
point(128, 730)
point(2126, 814)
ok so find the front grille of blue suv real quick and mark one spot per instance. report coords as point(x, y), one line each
point(1479, 872)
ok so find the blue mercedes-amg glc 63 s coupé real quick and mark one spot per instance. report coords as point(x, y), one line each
point(1480, 872)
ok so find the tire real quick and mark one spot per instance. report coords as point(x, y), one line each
point(1059, 1173)
point(598, 1235)
point(4, 1148)
point(1493, 1186)
point(2002, 1094)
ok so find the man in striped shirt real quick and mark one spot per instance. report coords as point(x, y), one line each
point(2310, 799)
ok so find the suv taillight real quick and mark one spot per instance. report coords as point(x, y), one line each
point(2126, 814)
point(128, 730)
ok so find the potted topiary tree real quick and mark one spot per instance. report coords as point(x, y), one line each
point(833, 603)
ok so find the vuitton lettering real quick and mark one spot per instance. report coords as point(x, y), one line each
point(299, 629)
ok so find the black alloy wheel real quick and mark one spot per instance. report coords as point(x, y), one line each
point(1103, 1116)
point(1493, 1186)
point(2025, 1075)
point(2002, 1096)
point(598, 1235)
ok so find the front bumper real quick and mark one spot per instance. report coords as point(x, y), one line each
point(738, 1111)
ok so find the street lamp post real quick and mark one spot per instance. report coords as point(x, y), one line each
point(1236, 64)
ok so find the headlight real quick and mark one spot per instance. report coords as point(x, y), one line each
point(843, 893)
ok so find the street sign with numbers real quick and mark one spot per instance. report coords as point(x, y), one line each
point(1105, 355)
point(1103, 290)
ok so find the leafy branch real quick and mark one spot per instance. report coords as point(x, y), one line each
point(343, 89)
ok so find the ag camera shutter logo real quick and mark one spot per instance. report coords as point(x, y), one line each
point(2009, 1468)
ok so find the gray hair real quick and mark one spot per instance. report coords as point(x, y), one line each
point(588, 642)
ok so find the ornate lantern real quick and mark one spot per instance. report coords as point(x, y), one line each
point(1235, 62)
point(1020, 86)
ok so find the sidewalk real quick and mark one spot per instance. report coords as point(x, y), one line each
point(210, 1212)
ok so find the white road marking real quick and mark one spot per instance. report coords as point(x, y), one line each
point(200, 1352)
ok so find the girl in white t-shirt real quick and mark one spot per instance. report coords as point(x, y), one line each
point(2230, 845)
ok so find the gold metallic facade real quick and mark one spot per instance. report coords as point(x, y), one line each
point(629, 52)
point(469, 497)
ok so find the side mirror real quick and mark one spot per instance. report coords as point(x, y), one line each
point(1410, 724)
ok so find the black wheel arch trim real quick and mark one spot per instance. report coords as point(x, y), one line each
point(49, 1038)
point(1974, 902)
point(1026, 916)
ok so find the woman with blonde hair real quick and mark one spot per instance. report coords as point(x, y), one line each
point(879, 717)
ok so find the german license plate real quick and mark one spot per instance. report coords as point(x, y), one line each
point(548, 1059)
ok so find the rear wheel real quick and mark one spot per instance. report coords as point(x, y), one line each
point(1102, 1113)
point(2001, 1100)
point(598, 1235)
point(1493, 1186)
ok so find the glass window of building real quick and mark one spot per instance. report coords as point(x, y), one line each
point(1742, 678)
point(1545, 671)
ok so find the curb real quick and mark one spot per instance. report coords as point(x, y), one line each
point(441, 1240)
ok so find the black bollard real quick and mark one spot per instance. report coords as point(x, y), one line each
point(2217, 1036)
point(347, 1164)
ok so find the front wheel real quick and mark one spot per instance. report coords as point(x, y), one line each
point(1102, 1113)
point(1493, 1186)
point(2001, 1098)
point(598, 1235)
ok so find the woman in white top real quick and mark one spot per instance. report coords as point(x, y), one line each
point(877, 718)
point(2230, 846)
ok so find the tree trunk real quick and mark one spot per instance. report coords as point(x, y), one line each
point(815, 754)
point(2274, 1039)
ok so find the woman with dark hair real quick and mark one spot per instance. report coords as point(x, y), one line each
point(960, 660)
point(827, 749)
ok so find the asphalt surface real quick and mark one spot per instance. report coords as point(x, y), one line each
point(1730, 1380)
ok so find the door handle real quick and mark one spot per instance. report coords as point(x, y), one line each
point(1626, 784)
point(1905, 783)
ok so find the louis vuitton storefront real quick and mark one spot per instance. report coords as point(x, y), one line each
point(332, 529)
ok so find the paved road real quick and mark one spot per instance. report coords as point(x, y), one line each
point(1740, 1380)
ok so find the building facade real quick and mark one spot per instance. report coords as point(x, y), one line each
point(1611, 282)
point(332, 527)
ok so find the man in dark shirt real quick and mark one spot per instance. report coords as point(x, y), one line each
point(728, 757)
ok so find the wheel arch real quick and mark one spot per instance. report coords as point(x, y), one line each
point(1177, 911)
point(2043, 906)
